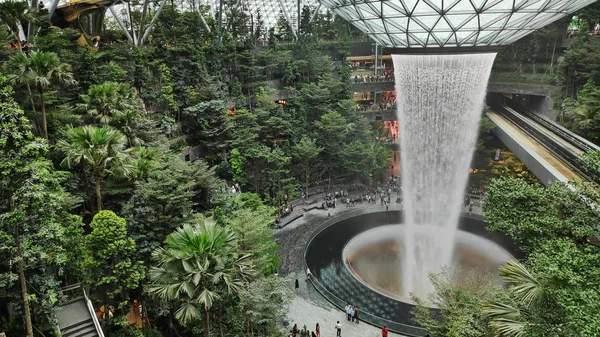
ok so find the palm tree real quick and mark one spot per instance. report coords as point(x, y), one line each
point(101, 150)
point(108, 101)
point(507, 320)
point(14, 14)
point(40, 70)
point(197, 266)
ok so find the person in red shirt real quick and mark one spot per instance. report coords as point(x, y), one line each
point(384, 332)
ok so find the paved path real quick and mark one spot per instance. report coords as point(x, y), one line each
point(304, 311)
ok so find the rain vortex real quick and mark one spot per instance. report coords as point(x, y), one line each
point(440, 101)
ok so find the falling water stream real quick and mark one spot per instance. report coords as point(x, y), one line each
point(440, 100)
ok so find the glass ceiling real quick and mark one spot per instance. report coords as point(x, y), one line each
point(451, 23)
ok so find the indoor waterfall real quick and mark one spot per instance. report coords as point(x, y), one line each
point(440, 100)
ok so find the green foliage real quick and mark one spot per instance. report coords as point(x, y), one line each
point(582, 115)
point(460, 301)
point(98, 152)
point(307, 154)
point(553, 225)
point(39, 70)
point(198, 266)
point(166, 199)
point(109, 101)
point(167, 98)
point(255, 236)
point(237, 166)
point(112, 269)
point(36, 229)
point(263, 303)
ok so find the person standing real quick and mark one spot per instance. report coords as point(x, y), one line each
point(356, 315)
point(318, 330)
point(352, 314)
point(297, 286)
point(338, 327)
point(384, 331)
point(470, 207)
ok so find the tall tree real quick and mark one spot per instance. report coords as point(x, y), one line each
point(98, 151)
point(112, 269)
point(20, 150)
point(307, 153)
point(33, 206)
point(40, 70)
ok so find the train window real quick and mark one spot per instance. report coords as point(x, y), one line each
point(91, 22)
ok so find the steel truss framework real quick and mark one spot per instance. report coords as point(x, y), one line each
point(271, 10)
point(451, 23)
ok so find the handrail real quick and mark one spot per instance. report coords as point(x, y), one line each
point(337, 302)
point(93, 314)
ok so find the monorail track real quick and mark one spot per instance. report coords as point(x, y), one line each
point(566, 146)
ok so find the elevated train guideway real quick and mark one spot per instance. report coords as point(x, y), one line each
point(550, 151)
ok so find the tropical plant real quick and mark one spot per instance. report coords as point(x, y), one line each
point(14, 14)
point(506, 319)
point(99, 151)
point(110, 101)
point(40, 70)
point(197, 266)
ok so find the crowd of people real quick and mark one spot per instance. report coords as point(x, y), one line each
point(373, 78)
point(296, 332)
point(378, 106)
point(352, 313)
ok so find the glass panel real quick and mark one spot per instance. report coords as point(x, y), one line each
point(421, 37)
point(399, 23)
point(457, 19)
point(461, 36)
point(442, 37)
point(489, 19)
point(470, 40)
point(409, 5)
point(427, 21)
point(396, 5)
point(437, 3)
point(423, 8)
point(366, 11)
point(414, 42)
point(471, 24)
point(414, 27)
point(463, 6)
point(517, 19)
point(443, 26)
point(485, 35)
point(91, 22)
point(399, 39)
point(479, 3)
point(499, 23)
point(375, 25)
point(529, 4)
point(392, 29)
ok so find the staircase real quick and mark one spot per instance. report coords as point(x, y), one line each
point(76, 318)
